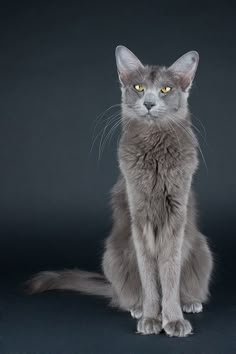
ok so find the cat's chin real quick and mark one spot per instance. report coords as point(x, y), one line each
point(148, 116)
point(151, 116)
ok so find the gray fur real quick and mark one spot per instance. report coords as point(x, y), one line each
point(156, 261)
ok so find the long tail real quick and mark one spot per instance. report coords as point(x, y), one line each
point(77, 280)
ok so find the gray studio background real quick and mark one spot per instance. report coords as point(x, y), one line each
point(57, 74)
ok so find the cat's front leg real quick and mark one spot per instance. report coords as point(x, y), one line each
point(169, 264)
point(150, 322)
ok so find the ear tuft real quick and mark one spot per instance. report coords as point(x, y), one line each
point(126, 62)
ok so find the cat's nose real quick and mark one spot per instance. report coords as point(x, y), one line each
point(149, 105)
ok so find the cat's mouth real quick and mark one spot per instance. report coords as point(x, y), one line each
point(150, 115)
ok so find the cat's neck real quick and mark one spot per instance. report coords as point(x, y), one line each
point(159, 126)
point(144, 131)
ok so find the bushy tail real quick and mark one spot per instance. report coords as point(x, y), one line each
point(77, 280)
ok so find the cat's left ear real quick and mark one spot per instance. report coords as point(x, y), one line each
point(185, 67)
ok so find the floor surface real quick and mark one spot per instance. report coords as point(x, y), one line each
point(70, 323)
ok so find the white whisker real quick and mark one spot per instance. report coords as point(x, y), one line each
point(192, 136)
point(109, 134)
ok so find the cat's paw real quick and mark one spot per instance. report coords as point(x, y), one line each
point(193, 308)
point(149, 326)
point(179, 328)
point(136, 312)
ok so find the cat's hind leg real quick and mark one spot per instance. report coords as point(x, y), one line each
point(120, 268)
point(136, 312)
point(195, 276)
point(194, 307)
point(119, 259)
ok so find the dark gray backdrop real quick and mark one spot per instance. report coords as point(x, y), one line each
point(57, 73)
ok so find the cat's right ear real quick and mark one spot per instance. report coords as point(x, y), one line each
point(126, 62)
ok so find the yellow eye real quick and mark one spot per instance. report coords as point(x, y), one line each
point(139, 87)
point(165, 89)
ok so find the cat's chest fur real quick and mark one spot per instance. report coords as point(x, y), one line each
point(156, 159)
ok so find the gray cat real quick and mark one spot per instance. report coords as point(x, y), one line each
point(156, 262)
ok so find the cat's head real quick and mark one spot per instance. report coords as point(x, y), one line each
point(155, 93)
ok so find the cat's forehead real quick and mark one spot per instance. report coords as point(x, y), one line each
point(152, 75)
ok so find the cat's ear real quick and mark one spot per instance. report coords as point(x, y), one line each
point(126, 62)
point(185, 67)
